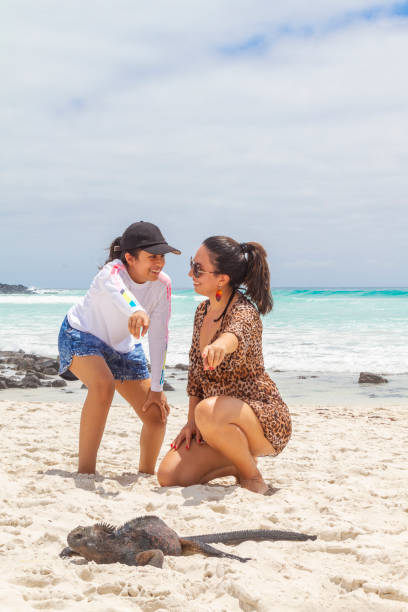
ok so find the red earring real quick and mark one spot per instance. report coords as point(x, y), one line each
point(218, 295)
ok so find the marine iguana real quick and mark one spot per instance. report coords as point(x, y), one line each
point(146, 539)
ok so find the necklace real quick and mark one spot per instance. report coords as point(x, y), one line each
point(225, 309)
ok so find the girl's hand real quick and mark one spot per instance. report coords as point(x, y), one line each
point(212, 356)
point(186, 434)
point(138, 322)
point(157, 398)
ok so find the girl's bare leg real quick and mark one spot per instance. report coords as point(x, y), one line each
point(151, 437)
point(234, 438)
point(95, 374)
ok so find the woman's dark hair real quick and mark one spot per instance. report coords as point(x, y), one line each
point(246, 265)
point(116, 253)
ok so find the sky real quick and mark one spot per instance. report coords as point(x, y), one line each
point(284, 123)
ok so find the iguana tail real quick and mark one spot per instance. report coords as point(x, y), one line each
point(257, 535)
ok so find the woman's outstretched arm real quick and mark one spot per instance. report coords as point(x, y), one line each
point(214, 353)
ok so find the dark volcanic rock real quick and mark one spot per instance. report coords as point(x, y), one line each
point(368, 377)
point(27, 371)
point(50, 371)
point(30, 382)
point(181, 366)
point(304, 377)
point(37, 374)
point(4, 288)
point(47, 383)
point(23, 363)
point(167, 386)
point(45, 363)
point(14, 383)
point(58, 383)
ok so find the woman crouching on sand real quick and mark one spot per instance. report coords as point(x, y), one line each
point(235, 410)
point(99, 341)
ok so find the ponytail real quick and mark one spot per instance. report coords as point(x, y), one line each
point(246, 265)
point(257, 279)
point(115, 252)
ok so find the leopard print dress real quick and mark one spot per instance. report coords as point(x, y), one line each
point(241, 374)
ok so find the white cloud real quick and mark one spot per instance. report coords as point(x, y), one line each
point(110, 113)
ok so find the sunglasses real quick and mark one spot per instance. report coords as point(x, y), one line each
point(197, 270)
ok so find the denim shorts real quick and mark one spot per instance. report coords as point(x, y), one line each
point(124, 366)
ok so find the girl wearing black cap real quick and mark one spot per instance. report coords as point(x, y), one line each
point(99, 341)
point(234, 405)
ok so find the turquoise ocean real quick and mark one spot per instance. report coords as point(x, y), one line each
point(316, 341)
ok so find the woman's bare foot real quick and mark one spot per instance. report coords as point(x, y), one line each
point(256, 484)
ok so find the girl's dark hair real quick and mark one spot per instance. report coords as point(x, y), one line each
point(118, 254)
point(246, 265)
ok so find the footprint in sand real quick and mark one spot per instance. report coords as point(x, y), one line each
point(383, 590)
point(40, 578)
point(219, 508)
point(47, 537)
point(43, 589)
point(6, 520)
point(86, 574)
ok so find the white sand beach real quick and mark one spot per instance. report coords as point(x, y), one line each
point(342, 477)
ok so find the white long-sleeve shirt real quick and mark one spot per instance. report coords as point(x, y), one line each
point(112, 297)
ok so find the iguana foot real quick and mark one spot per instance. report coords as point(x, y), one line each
point(68, 552)
point(150, 557)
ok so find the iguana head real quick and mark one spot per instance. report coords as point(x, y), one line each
point(91, 542)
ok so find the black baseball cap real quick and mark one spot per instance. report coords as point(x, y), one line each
point(146, 236)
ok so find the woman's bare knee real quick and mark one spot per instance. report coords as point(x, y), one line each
point(173, 474)
point(204, 413)
point(166, 474)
